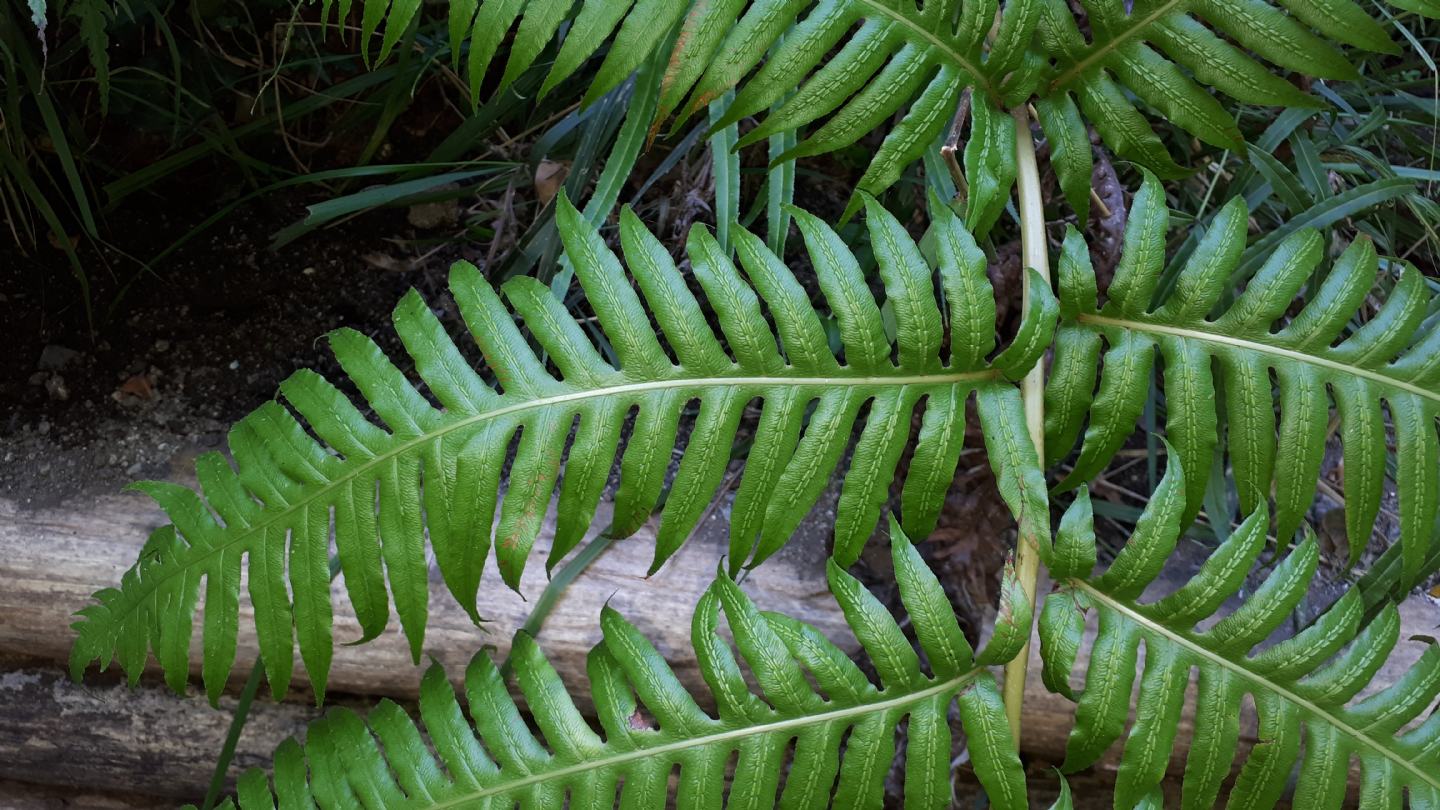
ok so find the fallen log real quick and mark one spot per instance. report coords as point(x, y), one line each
point(59, 554)
point(108, 738)
point(101, 736)
point(27, 796)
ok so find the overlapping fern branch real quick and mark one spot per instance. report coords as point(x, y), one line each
point(1219, 359)
point(883, 57)
point(840, 736)
point(433, 469)
point(1165, 54)
point(857, 63)
point(1303, 688)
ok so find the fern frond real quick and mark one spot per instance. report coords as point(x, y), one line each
point(840, 737)
point(1304, 689)
point(855, 63)
point(1167, 54)
point(1322, 356)
point(433, 469)
point(93, 19)
point(632, 29)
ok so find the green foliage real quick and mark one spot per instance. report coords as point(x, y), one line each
point(890, 56)
point(1166, 52)
point(1329, 168)
point(862, 62)
point(1243, 366)
point(434, 468)
point(840, 738)
point(1304, 688)
point(1386, 363)
point(92, 19)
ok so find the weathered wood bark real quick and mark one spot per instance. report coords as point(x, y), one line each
point(149, 741)
point(109, 738)
point(58, 555)
point(28, 796)
point(113, 743)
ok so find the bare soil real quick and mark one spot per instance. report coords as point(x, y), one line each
point(178, 355)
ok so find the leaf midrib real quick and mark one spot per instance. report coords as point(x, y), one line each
point(1263, 348)
point(1098, 53)
point(1257, 679)
point(981, 80)
point(153, 583)
point(802, 721)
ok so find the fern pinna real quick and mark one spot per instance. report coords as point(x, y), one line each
point(435, 470)
point(1324, 353)
point(1303, 688)
point(886, 55)
point(839, 733)
point(853, 64)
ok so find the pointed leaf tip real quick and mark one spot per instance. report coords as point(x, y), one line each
point(1012, 620)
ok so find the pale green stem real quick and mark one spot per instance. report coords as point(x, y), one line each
point(1032, 393)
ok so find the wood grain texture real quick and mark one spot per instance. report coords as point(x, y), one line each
point(104, 736)
point(26, 796)
point(108, 738)
point(102, 744)
point(57, 555)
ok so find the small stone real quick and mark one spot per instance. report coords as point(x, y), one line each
point(134, 469)
point(162, 345)
point(56, 388)
point(45, 468)
point(55, 357)
point(39, 377)
point(234, 364)
point(384, 261)
point(43, 428)
point(426, 216)
point(309, 271)
point(138, 386)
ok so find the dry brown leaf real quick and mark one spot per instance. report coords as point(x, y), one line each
point(386, 262)
point(137, 385)
point(549, 177)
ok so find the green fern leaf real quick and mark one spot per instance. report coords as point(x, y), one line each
point(1165, 53)
point(1064, 800)
point(433, 469)
point(1303, 688)
point(477, 28)
point(857, 63)
point(841, 736)
point(1322, 356)
point(888, 55)
point(854, 63)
